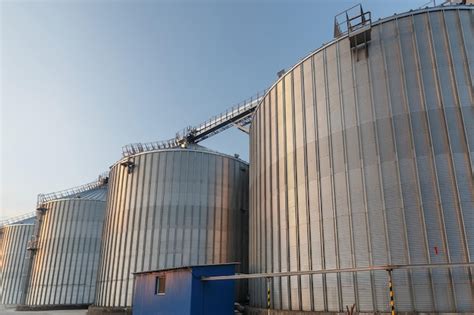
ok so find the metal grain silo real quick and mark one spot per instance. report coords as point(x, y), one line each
point(65, 248)
point(170, 208)
point(362, 155)
point(13, 242)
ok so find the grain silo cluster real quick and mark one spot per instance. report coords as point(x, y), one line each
point(359, 192)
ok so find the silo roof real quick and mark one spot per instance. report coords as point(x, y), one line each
point(96, 190)
point(98, 193)
point(26, 218)
point(189, 147)
point(30, 220)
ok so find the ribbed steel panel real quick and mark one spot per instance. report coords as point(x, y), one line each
point(366, 160)
point(99, 193)
point(177, 207)
point(64, 266)
point(13, 241)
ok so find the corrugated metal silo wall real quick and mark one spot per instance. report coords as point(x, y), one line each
point(366, 161)
point(176, 208)
point(14, 239)
point(64, 268)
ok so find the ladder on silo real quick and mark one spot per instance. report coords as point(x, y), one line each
point(31, 247)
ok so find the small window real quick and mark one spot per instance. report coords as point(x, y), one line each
point(160, 284)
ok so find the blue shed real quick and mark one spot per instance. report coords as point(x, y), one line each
point(181, 291)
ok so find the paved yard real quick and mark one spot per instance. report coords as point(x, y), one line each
point(10, 311)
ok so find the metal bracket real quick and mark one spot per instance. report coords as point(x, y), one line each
point(242, 128)
point(129, 164)
point(32, 244)
point(41, 209)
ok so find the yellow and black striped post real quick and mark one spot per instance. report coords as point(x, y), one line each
point(390, 286)
point(269, 300)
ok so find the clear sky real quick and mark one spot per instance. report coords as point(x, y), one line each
point(80, 79)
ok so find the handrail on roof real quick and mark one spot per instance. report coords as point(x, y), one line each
point(17, 218)
point(351, 20)
point(101, 181)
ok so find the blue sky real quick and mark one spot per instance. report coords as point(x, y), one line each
point(80, 79)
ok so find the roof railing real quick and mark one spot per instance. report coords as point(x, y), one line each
point(135, 148)
point(101, 181)
point(352, 21)
point(17, 218)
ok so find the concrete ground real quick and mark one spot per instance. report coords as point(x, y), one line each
point(10, 311)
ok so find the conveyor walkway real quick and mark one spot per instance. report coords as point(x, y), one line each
point(239, 116)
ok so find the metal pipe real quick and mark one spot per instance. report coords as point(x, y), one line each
point(316, 272)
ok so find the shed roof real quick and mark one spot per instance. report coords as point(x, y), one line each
point(185, 267)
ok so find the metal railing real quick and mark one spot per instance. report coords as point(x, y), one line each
point(352, 20)
point(135, 148)
point(17, 218)
point(239, 115)
point(231, 116)
point(102, 180)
